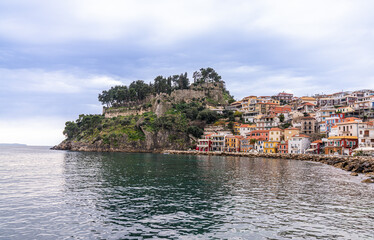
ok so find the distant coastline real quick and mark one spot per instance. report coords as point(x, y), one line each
point(13, 144)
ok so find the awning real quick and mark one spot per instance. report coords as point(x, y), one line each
point(311, 150)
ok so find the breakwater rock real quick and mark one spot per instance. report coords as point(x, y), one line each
point(348, 163)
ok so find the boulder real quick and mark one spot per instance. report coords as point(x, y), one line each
point(368, 180)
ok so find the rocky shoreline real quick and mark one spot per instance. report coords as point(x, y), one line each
point(364, 165)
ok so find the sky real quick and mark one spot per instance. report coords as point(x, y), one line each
point(57, 56)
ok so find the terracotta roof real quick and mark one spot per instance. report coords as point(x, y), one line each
point(275, 129)
point(318, 141)
point(343, 137)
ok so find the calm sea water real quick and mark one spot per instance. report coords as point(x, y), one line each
point(48, 194)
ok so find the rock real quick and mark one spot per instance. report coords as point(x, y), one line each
point(354, 174)
point(368, 180)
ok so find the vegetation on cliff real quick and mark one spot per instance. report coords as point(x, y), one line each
point(179, 125)
point(138, 90)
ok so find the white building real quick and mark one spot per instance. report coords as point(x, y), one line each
point(366, 135)
point(217, 142)
point(324, 113)
point(298, 143)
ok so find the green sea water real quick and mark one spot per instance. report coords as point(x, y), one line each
point(47, 194)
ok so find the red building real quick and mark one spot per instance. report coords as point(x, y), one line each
point(283, 147)
point(258, 134)
point(286, 97)
point(204, 144)
point(342, 145)
point(316, 147)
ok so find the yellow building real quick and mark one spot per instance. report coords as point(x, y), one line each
point(311, 100)
point(232, 143)
point(289, 132)
point(270, 146)
point(276, 134)
point(237, 128)
point(344, 109)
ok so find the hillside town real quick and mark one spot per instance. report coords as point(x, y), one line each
point(333, 124)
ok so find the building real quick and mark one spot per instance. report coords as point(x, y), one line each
point(345, 109)
point(217, 142)
point(270, 146)
point(289, 132)
point(236, 128)
point(283, 147)
point(333, 120)
point(259, 145)
point(275, 134)
point(204, 144)
point(324, 112)
point(259, 134)
point(366, 135)
point(267, 122)
point(350, 127)
point(245, 145)
point(232, 143)
point(316, 147)
point(284, 97)
point(298, 143)
point(245, 129)
point(311, 100)
point(308, 125)
point(342, 145)
point(306, 107)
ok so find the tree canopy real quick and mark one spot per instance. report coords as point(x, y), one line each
point(139, 90)
point(206, 75)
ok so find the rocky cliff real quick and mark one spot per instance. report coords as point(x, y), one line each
point(160, 122)
point(152, 142)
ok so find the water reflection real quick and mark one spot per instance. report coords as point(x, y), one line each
point(167, 196)
point(147, 194)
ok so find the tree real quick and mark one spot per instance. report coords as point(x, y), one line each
point(205, 75)
point(195, 131)
point(207, 115)
point(71, 129)
point(231, 126)
point(281, 117)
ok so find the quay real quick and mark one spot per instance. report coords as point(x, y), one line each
point(358, 164)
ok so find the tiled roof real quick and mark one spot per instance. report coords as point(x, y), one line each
point(343, 137)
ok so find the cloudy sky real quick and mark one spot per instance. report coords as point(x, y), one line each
point(56, 56)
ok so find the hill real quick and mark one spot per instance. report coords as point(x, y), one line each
point(169, 113)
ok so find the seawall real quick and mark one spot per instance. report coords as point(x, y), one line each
point(348, 163)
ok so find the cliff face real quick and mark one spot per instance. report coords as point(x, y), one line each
point(152, 142)
point(206, 93)
point(160, 122)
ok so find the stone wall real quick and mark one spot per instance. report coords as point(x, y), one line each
point(348, 163)
point(122, 112)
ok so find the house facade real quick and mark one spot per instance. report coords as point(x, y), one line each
point(298, 143)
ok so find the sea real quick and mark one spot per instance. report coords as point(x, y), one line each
point(49, 194)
